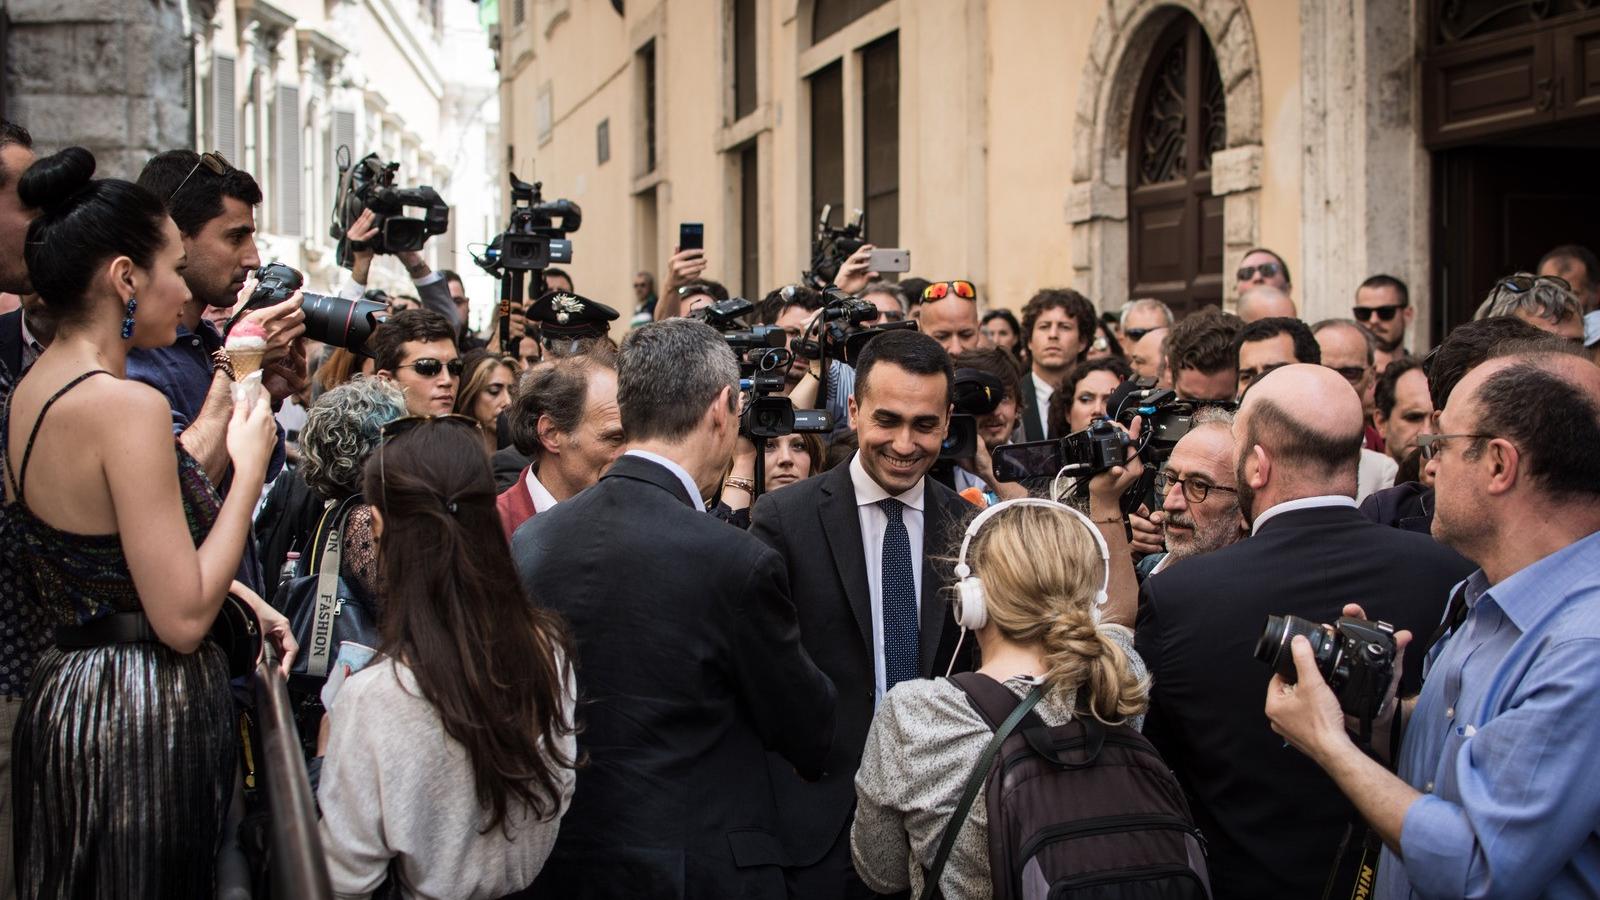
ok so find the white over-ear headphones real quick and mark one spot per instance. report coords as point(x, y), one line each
point(971, 608)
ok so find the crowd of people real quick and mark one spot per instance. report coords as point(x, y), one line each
point(557, 621)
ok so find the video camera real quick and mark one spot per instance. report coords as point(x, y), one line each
point(536, 235)
point(370, 185)
point(331, 320)
point(831, 247)
point(977, 393)
point(843, 330)
point(763, 360)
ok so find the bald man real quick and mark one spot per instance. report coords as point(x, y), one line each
point(1266, 302)
point(1148, 356)
point(1272, 818)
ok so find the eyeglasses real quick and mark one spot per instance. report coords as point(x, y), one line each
point(1433, 444)
point(1384, 313)
point(213, 161)
point(1193, 491)
point(428, 367)
point(1352, 374)
point(1523, 282)
point(1134, 334)
point(942, 289)
point(1267, 270)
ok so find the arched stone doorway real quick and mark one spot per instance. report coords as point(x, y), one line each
point(1124, 40)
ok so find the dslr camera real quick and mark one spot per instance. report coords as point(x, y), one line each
point(331, 320)
point(844, 328)
point(1355, 657)
point(763, 359)
point(370, 185)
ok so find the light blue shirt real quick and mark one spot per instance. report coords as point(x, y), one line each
point(1503, 742)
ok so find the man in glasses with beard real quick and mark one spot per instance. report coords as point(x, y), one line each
point(1198, 495)
point(1383, 307)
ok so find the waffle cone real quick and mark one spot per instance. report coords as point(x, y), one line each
point(246, 362)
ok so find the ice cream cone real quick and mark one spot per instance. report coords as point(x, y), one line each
point(246, 362)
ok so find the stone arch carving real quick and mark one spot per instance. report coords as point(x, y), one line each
point(1097, 202)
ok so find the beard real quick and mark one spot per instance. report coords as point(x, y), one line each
point(1202, 537)
point(1247, 494)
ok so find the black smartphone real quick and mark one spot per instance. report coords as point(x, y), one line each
point(691, 236)
point(1033, 459)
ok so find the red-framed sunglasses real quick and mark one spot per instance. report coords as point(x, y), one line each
point(942, 289)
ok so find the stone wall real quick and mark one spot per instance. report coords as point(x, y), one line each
point(110, 75)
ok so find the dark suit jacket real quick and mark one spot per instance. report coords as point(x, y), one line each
point(508, 464)
point(689, 668)
point(1032, 416)
point(1273, 819)
point(814, 524)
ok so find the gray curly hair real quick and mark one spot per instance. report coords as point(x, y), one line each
point(342, 429)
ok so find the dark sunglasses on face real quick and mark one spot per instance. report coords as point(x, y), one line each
point(942, 289)
point(1384, 313)
point(428, 367)
point(214, 163)
point(1134, 334)
point(1267, 270)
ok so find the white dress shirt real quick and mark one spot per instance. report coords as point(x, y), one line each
point(1302, 503)
point(1042, 392)
point(538, 493)
point(695, 500)
point(873, 521)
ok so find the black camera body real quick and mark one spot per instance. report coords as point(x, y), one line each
point(1095, 449)
point(844, 328)
point(370, 185)
point(1356, 657)
point(831, 247)
point(763, 360)
point(330, 320)
point(536, 234)
point(976, 393)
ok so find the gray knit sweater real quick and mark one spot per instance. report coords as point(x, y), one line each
point(395, 788)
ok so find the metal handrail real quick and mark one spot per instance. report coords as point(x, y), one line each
point(299, 868)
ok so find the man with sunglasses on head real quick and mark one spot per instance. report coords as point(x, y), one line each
point(1546, 302)
point(1383, 307)
point(1262, 266)
point(416, 349)
point(948, 313)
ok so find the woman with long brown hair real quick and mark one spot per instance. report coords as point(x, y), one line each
point(449, 758)
point(486, 380)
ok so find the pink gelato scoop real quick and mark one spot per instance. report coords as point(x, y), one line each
point(247, 334)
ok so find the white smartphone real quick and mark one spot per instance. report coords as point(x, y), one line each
point(889, 261)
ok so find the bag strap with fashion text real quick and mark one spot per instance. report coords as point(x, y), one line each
point(980, 773)
point(330, 553)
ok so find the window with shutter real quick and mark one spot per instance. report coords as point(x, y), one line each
point(224, 112)
point(287, 161)
point(343, 134)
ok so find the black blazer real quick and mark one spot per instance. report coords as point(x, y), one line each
point(689, 668)
point(814, 524)
point(1032, 429)
point(1272, 818)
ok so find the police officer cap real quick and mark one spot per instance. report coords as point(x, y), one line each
point(561, 314)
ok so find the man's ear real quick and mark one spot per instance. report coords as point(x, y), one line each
point(853, 412)
point(1505, 461)
point(1263, 468)
point(548, 439)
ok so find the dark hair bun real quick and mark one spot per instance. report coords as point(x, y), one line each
point(54, 179)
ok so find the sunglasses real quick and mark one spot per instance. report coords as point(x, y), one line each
point(1134, 334)
point(1523, 282)
point(942, 289)
point(428, 367)
point(213, 161)
point(1433, 444)
point(1267, 270)
point(1384, 313)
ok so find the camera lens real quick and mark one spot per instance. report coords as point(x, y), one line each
point(1273, 646)
point(340, 322)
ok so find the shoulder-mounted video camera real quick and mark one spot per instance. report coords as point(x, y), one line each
point(831, 247)
point(369, 184)
point(536, 233)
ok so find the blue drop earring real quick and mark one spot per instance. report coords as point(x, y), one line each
point(127, 323)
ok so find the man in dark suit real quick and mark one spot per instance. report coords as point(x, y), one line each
point(860, 544)
point(1273, 820)
point(689, 660)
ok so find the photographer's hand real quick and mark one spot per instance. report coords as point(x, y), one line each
point(744, 469)
point(361, 231)
point(854, 274)
point(284, 323)
point(1105, 510)
point(685, 267)
point(1392, 714)
point(287, 376)
point(1147, 534)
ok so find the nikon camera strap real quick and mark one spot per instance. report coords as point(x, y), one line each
point(1355, 870)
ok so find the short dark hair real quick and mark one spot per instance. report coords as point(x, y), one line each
point(669, 372)
point(200, 201)
point(1466, 348)
point(778, 301)
point(910, 350)
point(83, 223)
point(421, 325)
point(1293, 443)
point(1061, 401)
point(1383, 394)
point(704, 286)
point(450, 275)
point(1272, 253)
point(561, 273)
point(1204, 342)
point(1306, 348)
point(12, 133)
point(1388, 281)
point(996, 362)
point(1003, 315)
point(558, 389)
point(1553, 422)
point(1076, 305)
point(1574, 252)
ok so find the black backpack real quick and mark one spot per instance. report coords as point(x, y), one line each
point(1081, 811)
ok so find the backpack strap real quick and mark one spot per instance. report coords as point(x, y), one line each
point(980, 774)
point(993, 700)
point(330, 552)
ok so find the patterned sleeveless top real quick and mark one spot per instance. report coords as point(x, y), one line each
point(60, 578)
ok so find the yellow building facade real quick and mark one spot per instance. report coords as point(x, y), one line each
point(1123, 147)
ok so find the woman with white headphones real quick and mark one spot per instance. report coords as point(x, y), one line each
point(1033, 579)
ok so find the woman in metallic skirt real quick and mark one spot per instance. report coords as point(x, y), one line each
point(123, 752)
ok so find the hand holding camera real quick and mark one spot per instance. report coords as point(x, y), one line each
point(1330, 679)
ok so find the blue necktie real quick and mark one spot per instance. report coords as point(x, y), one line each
point(900, 642)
